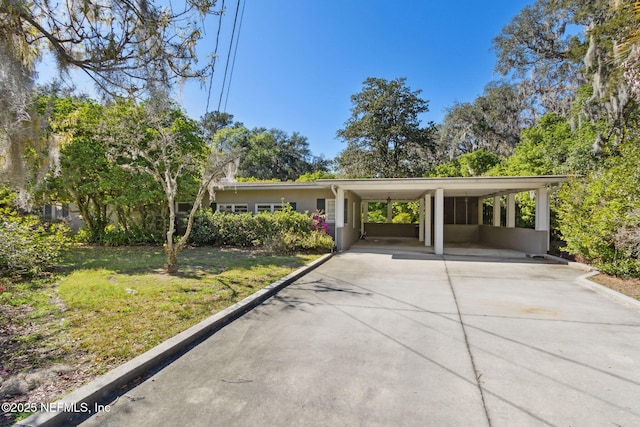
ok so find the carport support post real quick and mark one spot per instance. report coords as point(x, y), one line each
point(511, 210)
point(421, 222)
point(496, 211)
point(542, 209)
point(427, 220)
point(339, 217)
point(365, 216)
point(438, 245)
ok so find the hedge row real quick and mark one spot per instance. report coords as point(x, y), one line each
point(283, 231)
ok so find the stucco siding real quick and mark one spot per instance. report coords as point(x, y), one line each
point(519, 239)
point(351, 231)
point(387, 229)
point(305, 199)
point(459, 233)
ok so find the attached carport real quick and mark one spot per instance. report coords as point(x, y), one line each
point(451, 209)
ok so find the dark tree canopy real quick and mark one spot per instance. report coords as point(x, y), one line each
point(384, 135)
point(128, 48)
point(492, 122)
point(120, 44)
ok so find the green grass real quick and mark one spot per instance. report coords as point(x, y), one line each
point(108, 305)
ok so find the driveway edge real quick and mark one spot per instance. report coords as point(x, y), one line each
point(615, 295)
point(84, 400)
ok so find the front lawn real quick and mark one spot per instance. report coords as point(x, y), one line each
point(108, 305)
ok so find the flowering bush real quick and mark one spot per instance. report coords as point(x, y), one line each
point(320, 221)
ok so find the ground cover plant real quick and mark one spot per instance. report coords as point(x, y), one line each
point(105, 306)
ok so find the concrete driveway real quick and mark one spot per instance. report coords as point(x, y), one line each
point(408, 339)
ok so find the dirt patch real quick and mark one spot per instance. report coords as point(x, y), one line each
point(40, 386)
point(628, 287)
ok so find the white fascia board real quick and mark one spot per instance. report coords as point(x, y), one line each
point(272, 186)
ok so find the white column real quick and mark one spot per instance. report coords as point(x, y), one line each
point(421, 222)
point(340, 208)
point(496, 211)
point(364, 208)
point(427, 220)
point(542, 209)
point(389, 211)
point(511, 210)
point(339, 217)
point(439, 222)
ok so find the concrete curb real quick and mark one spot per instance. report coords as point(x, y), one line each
point(84, 400)
point(603, 290)
point(572, 264)
point(615, 295)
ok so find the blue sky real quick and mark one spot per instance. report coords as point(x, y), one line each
point(298, 61)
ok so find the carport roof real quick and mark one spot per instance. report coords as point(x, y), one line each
point(413, 188)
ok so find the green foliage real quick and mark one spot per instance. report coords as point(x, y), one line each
point(402, 218)
point(269, 154)
point(551, 147)
point(27, 247)
point(599, 216)
point(7, 197)
point(290, 243)
point(476, 163)
point(492, 122)
point(314, 176)
point(254, 179)
point(134, 235)
point(377, 212)
point(285, 228)
point(100, 189)
point(405, 212)
point(384, 136)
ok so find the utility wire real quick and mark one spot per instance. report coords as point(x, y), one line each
point(235, 54)
point(215, 56)
point(226, 67)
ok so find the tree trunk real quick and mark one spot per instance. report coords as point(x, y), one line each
point(172, 259)
point(170, 248)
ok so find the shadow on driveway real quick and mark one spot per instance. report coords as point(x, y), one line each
point(408, 339)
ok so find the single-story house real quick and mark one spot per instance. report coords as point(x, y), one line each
point(451, 209)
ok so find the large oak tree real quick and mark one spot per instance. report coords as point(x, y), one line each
point(384, 135)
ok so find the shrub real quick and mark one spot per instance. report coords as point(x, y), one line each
point(135, 235)
point(285, 231)
point(599, 215)
point(113, 236)
point(27, 247)
point(290, 243)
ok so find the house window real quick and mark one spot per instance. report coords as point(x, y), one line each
point(460, 210)
point(55, 212)
point(272, 207)
point(234, 208)
point(328, 206)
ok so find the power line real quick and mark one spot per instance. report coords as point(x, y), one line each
point(226, 68)
point(235, 52)
point(215, 56)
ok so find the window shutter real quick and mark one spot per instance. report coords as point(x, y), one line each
point(346, 211)
point(293, 205)
point(214, 206)
point(320, 204)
